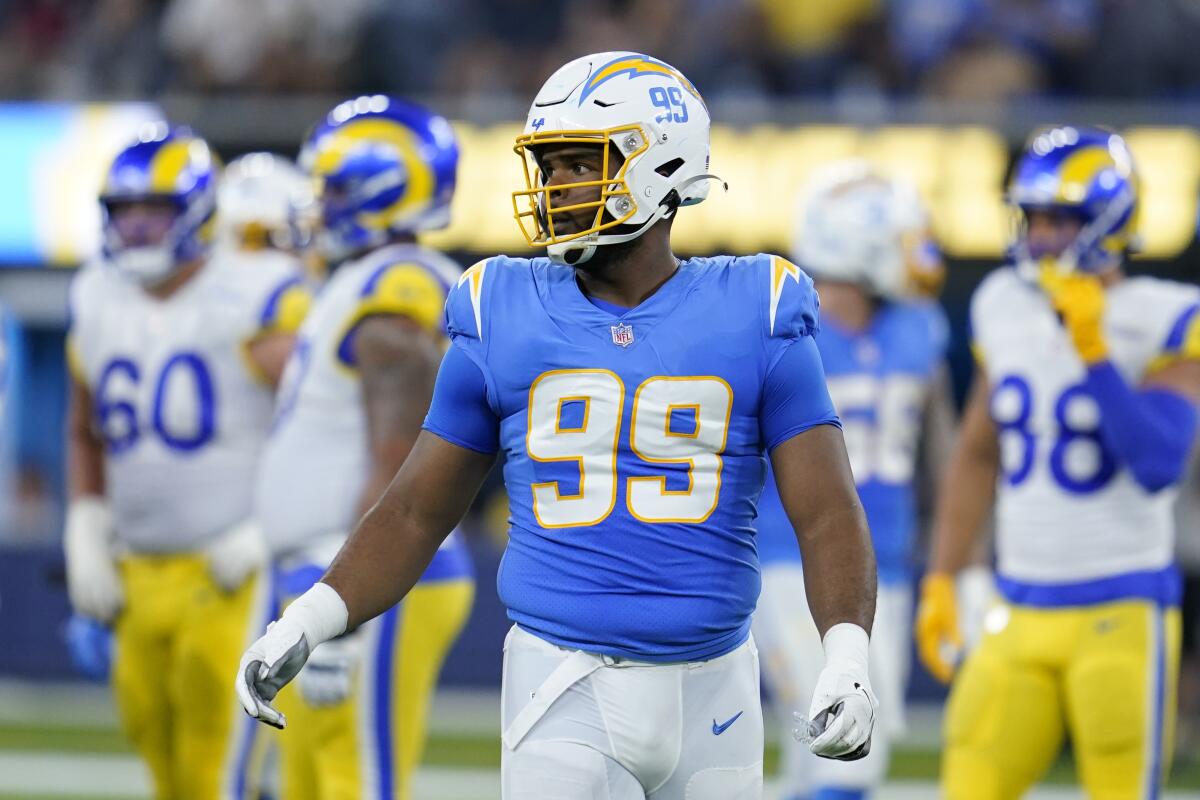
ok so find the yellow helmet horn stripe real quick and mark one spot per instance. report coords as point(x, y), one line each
point(332, 154)
point(168, 165)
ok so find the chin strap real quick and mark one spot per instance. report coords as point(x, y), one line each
point(578, 251)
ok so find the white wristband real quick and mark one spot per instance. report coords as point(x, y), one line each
point(88, 522)
point(846, 642)
point(320, 612)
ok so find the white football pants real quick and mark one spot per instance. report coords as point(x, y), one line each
point(579, 726)
point(792, 659)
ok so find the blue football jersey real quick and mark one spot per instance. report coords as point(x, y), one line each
point(634, 443)
point(879, 379)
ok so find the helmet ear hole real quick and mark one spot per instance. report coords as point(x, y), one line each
point(669, 168)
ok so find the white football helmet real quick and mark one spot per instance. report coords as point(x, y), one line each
point(859, 227)
point(264, 200)
point(655, 119)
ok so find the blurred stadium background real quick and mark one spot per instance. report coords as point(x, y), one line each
point(940, 91)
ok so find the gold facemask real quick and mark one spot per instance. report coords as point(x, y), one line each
point(533, 208)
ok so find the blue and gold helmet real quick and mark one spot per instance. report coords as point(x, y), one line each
point(165, 163)
point(1085, 172)
point(382, 166)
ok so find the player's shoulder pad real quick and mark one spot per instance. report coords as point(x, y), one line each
point(272, 286)
point(788, 295)
point(1170, 310)
point(480, 294)
point(992, 297)
point(406, 284)
point(465, 303)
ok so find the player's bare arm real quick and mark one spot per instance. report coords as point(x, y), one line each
point(270, 353)
point(382, 560)
point(398, 362)
point(968, 484)
point(92, 580)
point(395, 541)
point(937, 429)
point(967, 492)
point(85, 451)
point(817, 489)
point(1181, 377)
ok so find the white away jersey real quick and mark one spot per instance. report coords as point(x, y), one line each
point(1067, 511)
point(180, 409)
point(317, 461)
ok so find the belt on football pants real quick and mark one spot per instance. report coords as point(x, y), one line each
point(569, 672)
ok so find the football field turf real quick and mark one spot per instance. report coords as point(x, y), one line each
point(447, 754)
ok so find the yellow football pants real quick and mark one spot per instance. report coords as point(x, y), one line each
point(178, 642)
point(1105, 674)
point(368, 746)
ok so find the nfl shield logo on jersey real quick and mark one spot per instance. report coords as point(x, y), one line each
point(622, 335)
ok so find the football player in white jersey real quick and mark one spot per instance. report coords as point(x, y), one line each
point(865, 240)
point(174, 354)
point(266, 203)
point(1078, 428)
point(355, 394)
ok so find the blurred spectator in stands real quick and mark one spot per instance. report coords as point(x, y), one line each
point(814, 46)
point(405, 42)
point(987, 50)
point(266, 44)
point(1143, 50)
point(505, 49)
point(32, 36)
point(117, 51)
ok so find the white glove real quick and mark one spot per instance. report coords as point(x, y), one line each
point(842, 713)
point(271, 662)
point(93, 582)
point(328, 676)
point(236, 554)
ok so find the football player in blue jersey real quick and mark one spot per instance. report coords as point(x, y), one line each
point(633, 396)
point(865, 239)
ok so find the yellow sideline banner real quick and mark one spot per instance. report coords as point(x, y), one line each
point(53, 157)
point(959, 170)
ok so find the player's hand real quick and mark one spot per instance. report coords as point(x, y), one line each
point(328, 676)
point(268, 666)
point(937, 632)
point(1078, 297)
point(236, 554)
point(274, 660)
point(93, 583)
point(843, 707)
point(89, 643)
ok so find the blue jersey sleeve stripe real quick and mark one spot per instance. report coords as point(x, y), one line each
point(1180, 328)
